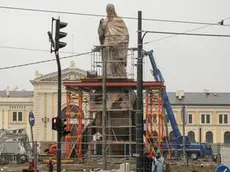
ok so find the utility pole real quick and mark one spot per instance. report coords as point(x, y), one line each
point(139, 111)
point(55, 46)
point(104, 114)
point(184, 120)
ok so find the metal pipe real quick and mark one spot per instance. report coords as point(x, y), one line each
point(59, 113)
point(139, 112)
point(104, 112)
point(184, 123)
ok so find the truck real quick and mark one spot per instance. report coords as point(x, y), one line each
point(175, 146)
point(14, 146)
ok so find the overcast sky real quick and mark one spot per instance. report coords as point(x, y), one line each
point(187, 63)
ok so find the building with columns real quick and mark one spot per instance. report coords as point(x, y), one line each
point(207, 118)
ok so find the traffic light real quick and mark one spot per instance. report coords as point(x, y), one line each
point(59, 35)
point(54, 123)
point(63, 129)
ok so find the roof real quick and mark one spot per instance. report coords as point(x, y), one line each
point(200, 98)
point(17, 94)
point(189, 98)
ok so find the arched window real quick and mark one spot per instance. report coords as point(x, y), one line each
point(72, 112)
point(227, 137)
point(191, 135)
point(171, 135)
point(209, 137)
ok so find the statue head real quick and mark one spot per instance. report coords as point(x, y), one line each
point(110, 9)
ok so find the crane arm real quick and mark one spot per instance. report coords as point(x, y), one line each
point(159, 78)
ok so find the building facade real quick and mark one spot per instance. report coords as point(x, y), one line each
point(207, 117)
point(207, 113)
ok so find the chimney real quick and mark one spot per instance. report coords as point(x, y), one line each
point(8, 91)
point(206, 91)
point(180, 94)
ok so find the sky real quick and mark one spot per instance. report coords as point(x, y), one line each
point(187, 63)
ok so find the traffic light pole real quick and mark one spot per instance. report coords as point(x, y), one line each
point(56, 48)
point(59, 113)
point(57, 45)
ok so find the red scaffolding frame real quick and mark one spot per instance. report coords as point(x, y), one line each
point(74, 99)
point(154, 115)
point(73, 142)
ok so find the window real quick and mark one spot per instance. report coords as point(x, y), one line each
point(227, 137)
point(14, 116)
point(17, 116)
point(209, 137)
point(190, 118)
point(205, 118)
point(223, 118)
point(191, 135)
point(171, 135)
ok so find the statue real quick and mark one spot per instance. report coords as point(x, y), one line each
point(113, 33)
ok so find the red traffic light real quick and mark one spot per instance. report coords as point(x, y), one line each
point(54, 123)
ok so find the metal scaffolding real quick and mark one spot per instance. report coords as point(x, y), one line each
point(115, 123)
point(115, 120)
point(74, 116)
point(154, 115)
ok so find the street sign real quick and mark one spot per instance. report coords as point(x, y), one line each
point(222, 168)
point(31, 119)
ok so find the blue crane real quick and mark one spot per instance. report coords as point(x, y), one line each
point(159, 78)
point(194, 150)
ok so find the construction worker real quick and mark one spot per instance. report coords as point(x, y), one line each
point(158, 164)
point(147, 162)
point(50, 165)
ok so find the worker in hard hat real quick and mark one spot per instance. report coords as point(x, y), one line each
point(158, 164)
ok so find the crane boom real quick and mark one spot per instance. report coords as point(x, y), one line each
point(158, 77)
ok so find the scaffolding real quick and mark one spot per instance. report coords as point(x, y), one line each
point(154, 117)
point(115, 126)
point(125, 66)
point(120, 115)
point(74, 117)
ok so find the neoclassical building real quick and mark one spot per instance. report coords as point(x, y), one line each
point(207, 119)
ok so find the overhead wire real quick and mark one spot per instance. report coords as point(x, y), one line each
point(188, 34)
point(32, 49)
point(43, 61)
point(99, 15)
point(198, 28)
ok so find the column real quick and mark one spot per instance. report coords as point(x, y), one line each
point(6, 119)
point(49, 115)
point(45, 104)
point(1, 118)
point(36, 115)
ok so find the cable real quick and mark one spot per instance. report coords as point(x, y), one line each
point(148, 42)
point(43, 61)
point(166, 37)
point(31, 49)
point(98, 15)
point(189, 34)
